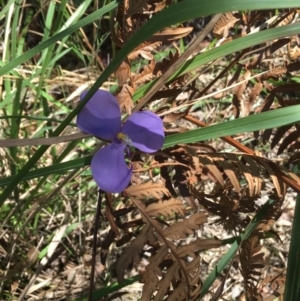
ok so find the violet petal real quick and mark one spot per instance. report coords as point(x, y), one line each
point(145, 130)
point(109, 168)
point(101, 116)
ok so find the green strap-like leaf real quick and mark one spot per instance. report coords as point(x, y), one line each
point(267, 120)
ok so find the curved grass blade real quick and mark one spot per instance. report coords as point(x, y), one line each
point(292, 285)
point(234, 248)
point(226, 49)
point(105, 291)
point(39, 48)
point(266, 120)
point(53, 169)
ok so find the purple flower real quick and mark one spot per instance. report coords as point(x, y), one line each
point(101, 116)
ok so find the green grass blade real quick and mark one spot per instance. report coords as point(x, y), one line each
point(271, 119)
point(5, 9)
point(53, 169)
point(234, 248)
point(105, 291)
point(224, 50)
point(266, 120)
point(39, 48)
point(179, 12)
point(292, 285)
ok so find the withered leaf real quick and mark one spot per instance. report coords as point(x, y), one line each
point(149, 189)
point(132, 253)
point(123, 73)
point(222, 27)
point(24, 264)
point(170, 34)
point(293, 136)
point(144, 50)
point(238, 92)
point(146, 75)
point(135, 6)
point(255, 91)
point(165, 208)
point(186, 227)
point(294, 52)
point(124, 98)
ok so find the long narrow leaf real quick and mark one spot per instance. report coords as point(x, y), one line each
point(271, 119)
point(292, 285)
point(234, 248)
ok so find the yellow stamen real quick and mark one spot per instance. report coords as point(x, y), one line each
point(124, 138)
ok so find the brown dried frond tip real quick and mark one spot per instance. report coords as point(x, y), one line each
point(227, 21)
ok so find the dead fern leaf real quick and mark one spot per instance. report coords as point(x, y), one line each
point(273, 74)
point(165, 208)
point(144, 50)
point(146, 75)
point(279, 134)
point(123, 73)
point(124, 98)
point(152, 272)
point(255, 91)
point(186, 227)
point(247, 173)
point(135, 6)
point(238, 92)
point(171, 34)
point(271, 173)
point(179, 292)
point(164, 283)
point(149, 189)
point(294, 52)
point(227, 21)
point(231, 174)
point(132, 253)
point(292, 137)
point(251, 259)
point(209, 164)
point(196, 246)
point(254, 169)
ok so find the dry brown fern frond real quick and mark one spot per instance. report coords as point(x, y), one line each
point(186, 227)
point(274, 283)
point(128, 19)
point(173, 268)
point(148, 189)
point(227, 21)
point(251, 259)
point(164, 208)
point(132, 253)
point(287, 135)
point(236, 182)
point(229, 170)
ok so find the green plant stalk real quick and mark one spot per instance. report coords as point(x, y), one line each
point(34, 118)
point(105, 291)
point(292, 285)
point(234, 248)
point(15, 31)
point(14, 133)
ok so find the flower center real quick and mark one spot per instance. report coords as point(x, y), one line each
point(124, 138)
